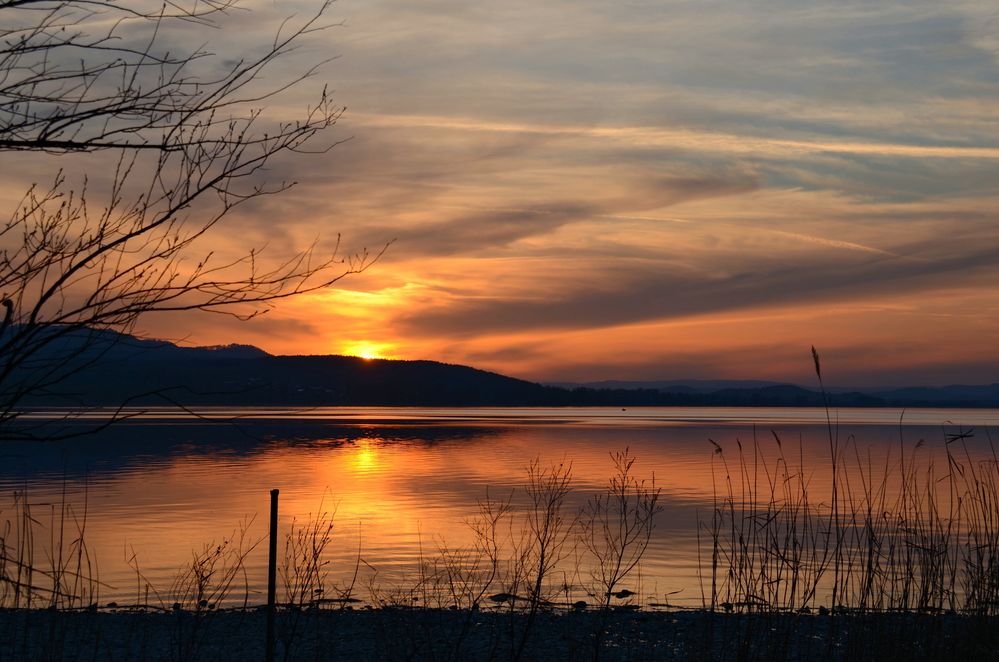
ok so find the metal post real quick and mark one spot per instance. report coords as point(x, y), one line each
point(272, 576)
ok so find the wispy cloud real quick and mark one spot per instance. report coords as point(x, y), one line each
point(689, 139)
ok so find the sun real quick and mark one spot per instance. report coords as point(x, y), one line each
point(365, 349)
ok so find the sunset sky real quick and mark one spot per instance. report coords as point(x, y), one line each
point(646, 189)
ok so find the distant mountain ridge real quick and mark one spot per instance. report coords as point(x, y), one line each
point(120, 368)
point(671, 385)
point(955, 395)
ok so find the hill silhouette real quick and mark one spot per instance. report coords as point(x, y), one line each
point(116, 368)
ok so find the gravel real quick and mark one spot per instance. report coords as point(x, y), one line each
point(432, 634)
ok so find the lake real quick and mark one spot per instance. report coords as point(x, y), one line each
point(150, 492)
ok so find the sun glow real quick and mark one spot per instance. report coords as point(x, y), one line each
point(366, 350)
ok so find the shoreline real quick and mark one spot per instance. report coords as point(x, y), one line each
point(396, 633)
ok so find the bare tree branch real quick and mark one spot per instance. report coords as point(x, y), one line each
point(188, 139)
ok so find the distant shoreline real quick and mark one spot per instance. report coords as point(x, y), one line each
point(422, 416)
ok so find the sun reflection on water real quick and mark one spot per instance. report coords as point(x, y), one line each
point(363, 457)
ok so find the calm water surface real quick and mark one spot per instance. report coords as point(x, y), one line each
point(404, 482)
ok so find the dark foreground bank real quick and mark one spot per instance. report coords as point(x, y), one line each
point(427, 634)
